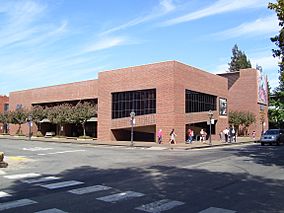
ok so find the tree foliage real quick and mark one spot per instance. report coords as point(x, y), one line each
point(82, 112)
point(239, 118)
point(238, 60)
point(276, 111)
point(61, 114)
point(278, 7)
point(19, 116)
point(38, 113)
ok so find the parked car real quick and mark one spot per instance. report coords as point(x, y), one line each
point(272, 136)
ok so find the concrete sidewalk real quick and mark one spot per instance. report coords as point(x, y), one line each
point(152, 145)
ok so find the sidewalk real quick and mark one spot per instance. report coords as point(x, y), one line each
point(152, 145)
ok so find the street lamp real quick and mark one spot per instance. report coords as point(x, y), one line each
point(210, 115)
point(132, 121)
point(30, 118)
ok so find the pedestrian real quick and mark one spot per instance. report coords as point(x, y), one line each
point(160, 136)
point(230, 134)
point(172, 137)
point(190, 135)
point(234, 134)
point(226, 132)
point(202, 135)
point(253, 134)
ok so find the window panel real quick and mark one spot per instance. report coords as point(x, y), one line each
point(199, 102)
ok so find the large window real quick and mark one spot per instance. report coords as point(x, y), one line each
point(141, 102)
point(199, 102)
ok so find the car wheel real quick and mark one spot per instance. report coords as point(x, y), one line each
point(270, 143)
point(277, 142)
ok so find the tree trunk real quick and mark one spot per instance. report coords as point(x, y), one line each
point(84, 129)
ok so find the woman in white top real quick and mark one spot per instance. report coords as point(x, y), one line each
point(173, 137)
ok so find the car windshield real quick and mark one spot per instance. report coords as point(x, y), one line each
point(272, 132)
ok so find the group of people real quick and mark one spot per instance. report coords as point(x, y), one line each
point(228, 135)
point(172, 136)
point(190, 136)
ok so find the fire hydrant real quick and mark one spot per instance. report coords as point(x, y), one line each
point(3, 164)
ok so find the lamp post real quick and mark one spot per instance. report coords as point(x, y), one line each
point(132, 120)
point(30, 118)
point(210, 115)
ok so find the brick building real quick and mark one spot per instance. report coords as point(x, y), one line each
point(4, 107)
point(167, 95)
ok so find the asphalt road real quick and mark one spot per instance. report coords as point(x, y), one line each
point(55, 177)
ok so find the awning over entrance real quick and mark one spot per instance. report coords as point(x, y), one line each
point(45, 120)
point(92, 119)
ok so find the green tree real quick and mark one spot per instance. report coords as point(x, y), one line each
point(4, 120)
point(239, 118)
point(19, 116)
point(278, 7)
point(60, 115)
point(238, 60)
point(38, 113)
point(82, 112)
point(276, 110)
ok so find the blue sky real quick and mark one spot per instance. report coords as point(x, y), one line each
point(49, 42)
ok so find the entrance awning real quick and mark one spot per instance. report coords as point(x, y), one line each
point(45, 120)
point(92, 119)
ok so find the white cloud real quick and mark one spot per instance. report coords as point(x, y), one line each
point(105, 43)
point(220, 6)
point(267, 62)
point(165, 6)
point(260, 26)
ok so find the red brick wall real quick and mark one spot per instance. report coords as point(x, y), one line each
point(243, 97)
point(170, 80)
point(3, 100)
point(64, 92)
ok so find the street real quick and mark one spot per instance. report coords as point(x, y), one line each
point(60, 177)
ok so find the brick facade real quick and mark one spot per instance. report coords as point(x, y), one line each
point(170, 79)
point(3, 101)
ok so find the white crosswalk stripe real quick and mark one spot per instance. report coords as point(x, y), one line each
point(61, 152)
point(40, 180)
point(33, 149)
point(217, 210)
point(54, 210)
point(62, 184)
point(89, 189)
point(120, 196)
point(159, 206)
point(4, 194)
point(2, 172)
point(16, 203)
point(20, 176)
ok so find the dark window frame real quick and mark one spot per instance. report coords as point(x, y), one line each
point(142, 102)
point(199, 102)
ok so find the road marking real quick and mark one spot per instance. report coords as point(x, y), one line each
point(20, 176)
point(39, 180)
point(89, 189)
point(4, 194)
point(159, 206)
point(2, 172)
point(33, 149)
point(120, 196)
point(61, 184)
point(62, 152)
point(216, 210)
point(157, 148)
point(54, 210)
point(16, 203)
point(17, 158)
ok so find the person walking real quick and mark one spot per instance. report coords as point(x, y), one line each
point(202, 136)
point(189, 135)
point(160, 136)
point(226, 133)
point(172, 137)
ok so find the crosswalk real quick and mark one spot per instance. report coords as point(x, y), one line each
point(109, 196)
